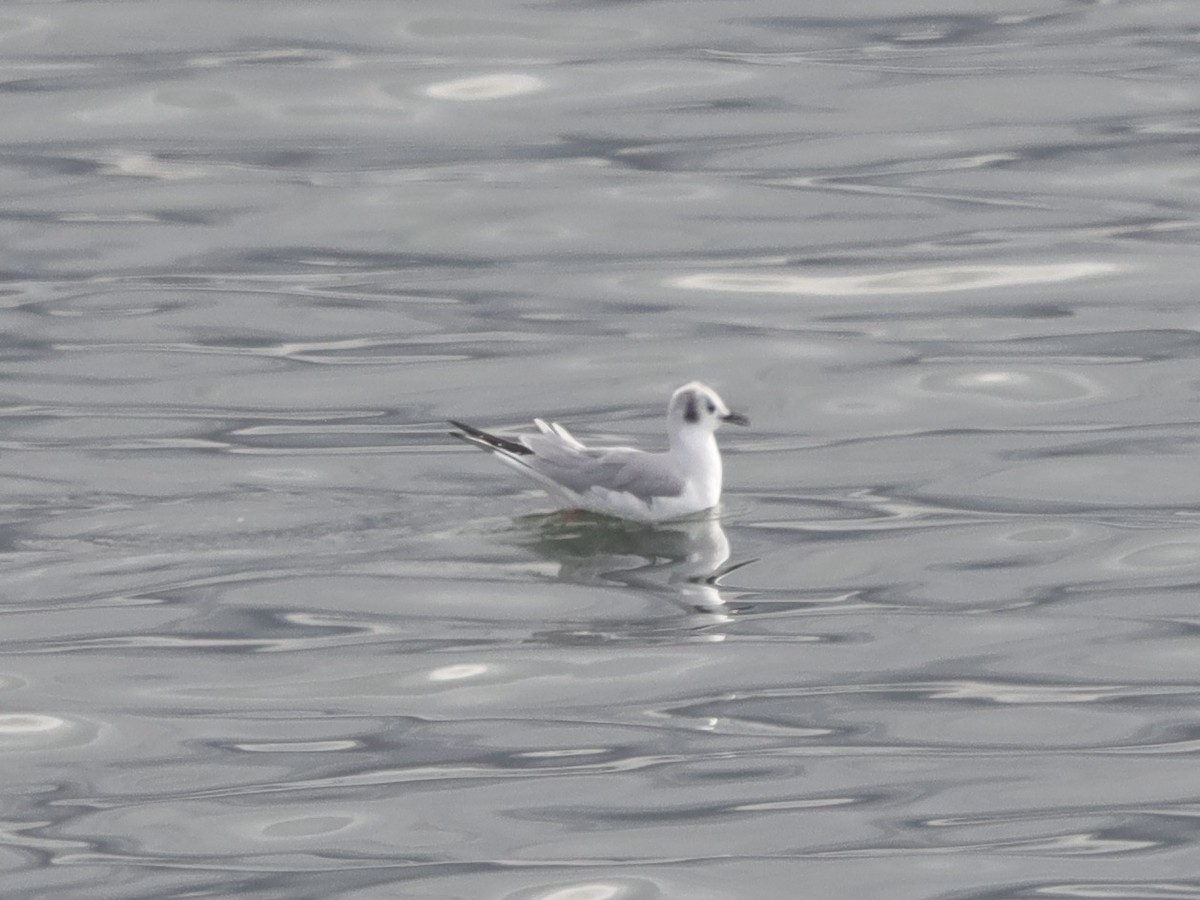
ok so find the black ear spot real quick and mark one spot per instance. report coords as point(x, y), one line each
point(690, 413)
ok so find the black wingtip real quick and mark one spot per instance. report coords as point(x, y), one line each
point(477, 435)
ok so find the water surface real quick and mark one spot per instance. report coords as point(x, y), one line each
point(269, 631)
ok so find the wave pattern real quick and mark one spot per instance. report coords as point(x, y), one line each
point(269, 633)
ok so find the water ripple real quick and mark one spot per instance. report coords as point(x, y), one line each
point(902, 281)
point(772, 762)
point(41, 732)
point(976, 692)
point(1101, 890)
point(266, 633)
point(605, 889)
point(1064, 845)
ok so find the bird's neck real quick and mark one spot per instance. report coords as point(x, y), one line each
point(699, 455)
point(699, 448)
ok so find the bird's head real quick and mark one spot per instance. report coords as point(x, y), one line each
point(696, 406)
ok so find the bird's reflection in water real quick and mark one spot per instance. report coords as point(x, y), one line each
point(681, 560)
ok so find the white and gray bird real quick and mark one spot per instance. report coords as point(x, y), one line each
point(623, 481)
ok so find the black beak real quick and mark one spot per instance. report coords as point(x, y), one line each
point(736, 419)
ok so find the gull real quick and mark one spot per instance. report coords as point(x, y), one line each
point(623, 481)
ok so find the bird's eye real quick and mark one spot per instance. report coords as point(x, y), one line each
point(712, 407)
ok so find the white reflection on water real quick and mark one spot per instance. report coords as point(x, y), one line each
point(37, 732)
point(458, 672)
point(903, 281)
point(608, 889)
point(485, 87)
point(682, 561)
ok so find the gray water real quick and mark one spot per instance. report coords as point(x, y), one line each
point(269, 631)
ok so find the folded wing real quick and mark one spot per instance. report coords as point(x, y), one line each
point(558, 456)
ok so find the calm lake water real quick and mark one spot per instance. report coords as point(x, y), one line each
point(269, 631)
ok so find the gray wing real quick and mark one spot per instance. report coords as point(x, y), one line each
point(560, 457)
